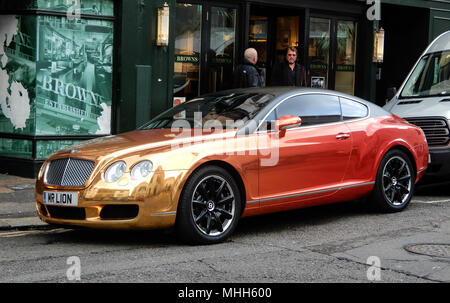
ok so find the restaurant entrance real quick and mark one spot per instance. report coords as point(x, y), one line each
point(326, 44)
point(332, 53)
point(205, 48)
point(271, 31)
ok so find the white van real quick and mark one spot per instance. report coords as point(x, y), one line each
point(424, 100)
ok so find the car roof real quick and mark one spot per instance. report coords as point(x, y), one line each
point(279, 92)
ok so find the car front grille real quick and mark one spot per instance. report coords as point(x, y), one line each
point(436, 130)
point(69, 172)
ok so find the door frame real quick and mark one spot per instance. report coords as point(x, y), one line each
point(205, 59)
point(272, 12)
point(333, 43)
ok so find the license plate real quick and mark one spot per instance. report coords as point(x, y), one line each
point(60, 198)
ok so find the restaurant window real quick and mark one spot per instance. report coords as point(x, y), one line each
point(58, 73)
point(74, 76)
point(319, 52)
point(187, 51)
point(222, 48)
point(345, 57)
point(257, 38)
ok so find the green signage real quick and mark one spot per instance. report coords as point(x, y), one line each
point(71, 7)
point(16, 148)
point(74, 76)
point(46, 148)
point(317, 66)
point(222, 60)
point(187, 59)
point(90, 7)
point(55, 73)
point(345, 68)
point(17, 74)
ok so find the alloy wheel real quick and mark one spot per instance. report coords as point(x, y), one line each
point(397, 181)
point(213, 205)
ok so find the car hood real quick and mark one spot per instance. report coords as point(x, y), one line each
point(420, 107)
point(138, 140)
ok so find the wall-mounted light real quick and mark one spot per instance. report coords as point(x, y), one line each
point(162, 32)
point(378, 46)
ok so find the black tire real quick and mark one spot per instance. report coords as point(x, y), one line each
point(209, 207)
point(394, 184)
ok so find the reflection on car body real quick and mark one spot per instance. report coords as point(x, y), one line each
point(323, 147)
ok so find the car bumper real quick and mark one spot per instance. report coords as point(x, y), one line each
point(106, 216)
point(139, 205)
point(440, 163)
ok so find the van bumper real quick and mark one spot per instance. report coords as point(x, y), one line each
point(440, 163)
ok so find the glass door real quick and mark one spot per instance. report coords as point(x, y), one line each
point(345, 57)
point(205, 49)
point(222, 48)
point(188, 29)
point(259, 39)
point(319, 52)
point(332, 54)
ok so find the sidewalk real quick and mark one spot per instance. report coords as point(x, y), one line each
point(17, 206)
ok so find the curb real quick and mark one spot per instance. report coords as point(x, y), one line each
point(21, 223)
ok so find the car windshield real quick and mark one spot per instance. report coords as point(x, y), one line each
point(431, 77)
point(220, 111)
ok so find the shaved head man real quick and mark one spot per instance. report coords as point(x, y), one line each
point(251, 55)
point(246, 74)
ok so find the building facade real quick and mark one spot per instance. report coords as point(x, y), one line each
point(72, 70)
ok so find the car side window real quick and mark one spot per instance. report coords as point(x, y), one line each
point(352, 109)
point(313, 109)
point(269, 123)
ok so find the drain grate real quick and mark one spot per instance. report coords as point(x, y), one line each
point(432, 250)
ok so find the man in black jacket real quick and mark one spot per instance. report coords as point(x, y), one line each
point(246, 74)
point(289, 72)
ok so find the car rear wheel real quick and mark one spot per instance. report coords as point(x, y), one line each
point(210, 206)
point(394, 184)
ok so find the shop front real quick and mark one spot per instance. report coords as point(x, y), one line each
point(73, 70)
point(211, 37)
point(56, 78)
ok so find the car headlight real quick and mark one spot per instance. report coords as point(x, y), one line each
point(115, 171)
point(43, 171)
point(141, 170)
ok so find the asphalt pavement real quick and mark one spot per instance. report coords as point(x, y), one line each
point(323, 244)
point(17, 206)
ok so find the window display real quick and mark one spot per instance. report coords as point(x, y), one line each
point(17, 74)
point(88, 7)
point(74, 76)
point(187, 50)
point(55, 75)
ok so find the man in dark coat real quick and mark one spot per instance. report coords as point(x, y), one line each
point(289, 72)
point(246, 74)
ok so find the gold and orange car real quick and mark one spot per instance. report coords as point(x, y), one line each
point(202, 165)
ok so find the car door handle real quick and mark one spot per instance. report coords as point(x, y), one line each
point(342, 136)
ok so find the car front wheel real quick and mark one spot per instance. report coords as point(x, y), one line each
point(210, 206)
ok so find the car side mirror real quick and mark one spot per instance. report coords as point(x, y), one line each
point(390, 93)
point(288, 121)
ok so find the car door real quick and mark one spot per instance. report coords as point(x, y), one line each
point(355, 116)
point(312, 158)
